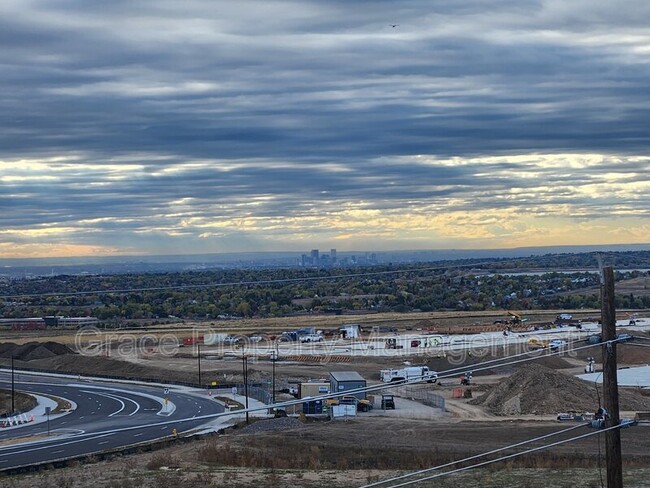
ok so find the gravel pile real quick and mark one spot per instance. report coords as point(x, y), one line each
point(535, 389)
point(34, 350)
point(272, 425)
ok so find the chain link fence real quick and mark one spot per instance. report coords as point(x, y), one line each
point(258, 393)
point(426, 397)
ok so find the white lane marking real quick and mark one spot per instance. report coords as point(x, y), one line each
point(109, 396)
point(119, 398)
point(22, 451)
point(138, 435)
point(166, 408)
point(101, 443)
point(56, 452)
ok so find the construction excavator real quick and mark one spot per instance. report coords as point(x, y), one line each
point(514, 319)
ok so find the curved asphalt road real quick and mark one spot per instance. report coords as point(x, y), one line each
point(108, 416)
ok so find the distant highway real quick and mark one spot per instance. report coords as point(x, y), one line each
point(108, 415)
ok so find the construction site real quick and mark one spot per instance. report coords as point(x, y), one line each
point(487, 385)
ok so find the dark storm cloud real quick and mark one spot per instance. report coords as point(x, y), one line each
point(288, 76)
point(289, 108)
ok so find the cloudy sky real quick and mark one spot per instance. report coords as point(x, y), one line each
point(166, 126)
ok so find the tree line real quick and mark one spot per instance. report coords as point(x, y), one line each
point(464, 285)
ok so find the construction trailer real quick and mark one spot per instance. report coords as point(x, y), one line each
point(350, 331)
point(313, 389)
point(342, 381)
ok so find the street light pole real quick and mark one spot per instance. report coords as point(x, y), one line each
point(13, 390)
point(274, 358)
point(245, 367)
point(198, 345)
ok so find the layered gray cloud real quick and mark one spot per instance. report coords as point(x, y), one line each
point(214, 126)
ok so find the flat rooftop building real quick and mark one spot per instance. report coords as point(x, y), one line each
point(341, 381)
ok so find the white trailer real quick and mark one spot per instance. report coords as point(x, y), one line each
point(410, 373)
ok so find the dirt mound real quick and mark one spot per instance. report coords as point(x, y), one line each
point(536, 389)
point(631, 354)
point(554, 362)
point(33, 350)
point(6, 348)
point(444, 364)
point(90, 365)
point(272, 425)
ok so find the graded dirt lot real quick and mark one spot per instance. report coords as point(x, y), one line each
point(370, 447)
point(401, 321)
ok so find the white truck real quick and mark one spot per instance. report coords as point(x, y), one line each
point(410, 373)
point(311, 338)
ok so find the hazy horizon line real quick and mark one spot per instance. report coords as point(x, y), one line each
point(297, 253)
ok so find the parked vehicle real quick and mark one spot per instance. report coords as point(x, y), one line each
point(311, 338)
point(391, 343)
point(362, 405)
point(556, 344)
point(537, 344)
point(387, 402)
point(597, 338)
point(409, 373)
point(231, 340)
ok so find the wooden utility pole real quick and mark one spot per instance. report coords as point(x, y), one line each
point(610, 382)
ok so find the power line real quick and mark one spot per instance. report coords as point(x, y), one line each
point(423, 379)
point(642, 338)
point(473, 368)
point(471, 458)
point(635, 345)
point(386, 386)
point(509, 456)
point(463, 368)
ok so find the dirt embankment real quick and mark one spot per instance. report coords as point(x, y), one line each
point(55, 357)
point(535, 389)
point(33, 350)
point(22, 402)
point(101, 366)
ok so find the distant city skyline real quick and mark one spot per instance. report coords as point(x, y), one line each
point(160, 128)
